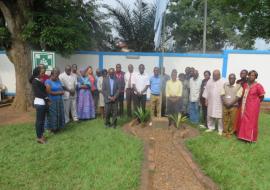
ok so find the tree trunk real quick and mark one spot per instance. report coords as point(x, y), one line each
point(20, 55)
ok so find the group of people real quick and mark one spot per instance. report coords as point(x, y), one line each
point(82, 95)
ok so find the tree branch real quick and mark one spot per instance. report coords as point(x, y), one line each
point(8, 17)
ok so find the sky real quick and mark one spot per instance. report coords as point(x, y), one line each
point(259, 44)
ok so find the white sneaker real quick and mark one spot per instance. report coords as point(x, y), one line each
point(150, 124)
point(220, 133)
point(202, 126)
point(209, 130)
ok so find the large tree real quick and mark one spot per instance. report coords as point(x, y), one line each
point(58, 25)
point(134, 25)
point(230, 23)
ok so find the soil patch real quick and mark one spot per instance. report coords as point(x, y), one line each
point(168, 165)
point(10, 116)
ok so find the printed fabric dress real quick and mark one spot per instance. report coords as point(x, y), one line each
point(56, 116)
point(85, 102)
point(250, 109)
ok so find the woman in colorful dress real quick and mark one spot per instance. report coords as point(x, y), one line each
point(85, 103)
point(56, 116)
point(94, 90)
point(250, 108)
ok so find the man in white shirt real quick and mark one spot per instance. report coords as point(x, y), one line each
point(140, 84)
point(129, 78)
point(213, 101)
point(69, 83)
point(195, 87)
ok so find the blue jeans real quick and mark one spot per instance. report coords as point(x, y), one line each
point(40, 119)
point(194, 112)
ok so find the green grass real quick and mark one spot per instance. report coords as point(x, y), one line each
point(83, 156)
point(234, 164)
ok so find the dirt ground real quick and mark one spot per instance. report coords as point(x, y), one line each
point(9, 116)
point(174, 168)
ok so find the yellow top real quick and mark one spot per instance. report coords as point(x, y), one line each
point(174, 88)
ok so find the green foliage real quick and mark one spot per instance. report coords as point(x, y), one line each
point(234, 164)
point(83, 156)
point(230, 23)
point(135, 26)
point(63, 26)
point(143, 116)
point(178, 119)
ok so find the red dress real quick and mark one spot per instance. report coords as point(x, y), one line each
point(250, 109)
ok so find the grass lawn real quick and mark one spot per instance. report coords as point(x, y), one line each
point(83, 156)
point(233, 164)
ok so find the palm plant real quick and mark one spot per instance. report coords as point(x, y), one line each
point(135, 26)
point(178, 119)
point(143, 116)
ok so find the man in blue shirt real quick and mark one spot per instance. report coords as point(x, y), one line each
point(155, 87)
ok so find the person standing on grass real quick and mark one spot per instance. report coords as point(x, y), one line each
point(41, 103)
point(185, 95)
point(110, 90)
point(173, 94)
point(250, 108)
point(85, 102)
point(213, 102)
point(120, 76)
point(155, 94)
point(140, 85)
point(207, 76)
point(69, 82)
point(242, 81)
point(56, 116)
point(164, 79)
point(230, 94)
point(94, 90)
point(194, 109)
point(101, 103)
point(129, 78)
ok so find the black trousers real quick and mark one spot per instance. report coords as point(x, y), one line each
point(163, 105)
point(95, 95)
point(204, 114)
point(111, 114)
point(139, 101)
point(129, 100)
point(120, 104)
point(41, 111)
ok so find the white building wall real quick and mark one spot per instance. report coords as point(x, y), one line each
point(201, 64)
point(257, 62)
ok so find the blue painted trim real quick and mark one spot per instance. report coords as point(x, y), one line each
point(266, 99)
point(225, 65)
point(247, 51)
point(10, 93)
point(100, 63)
point(2, 52)
point(152, 54)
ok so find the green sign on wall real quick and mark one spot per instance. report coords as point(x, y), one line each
point(43, 57)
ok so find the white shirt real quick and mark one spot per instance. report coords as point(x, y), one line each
point(69, 82)
point(141, 81)
point(127, 75)
point(195, 87)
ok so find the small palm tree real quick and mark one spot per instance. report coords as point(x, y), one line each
point(135, 26)
point(143, 116)
point(178, 119)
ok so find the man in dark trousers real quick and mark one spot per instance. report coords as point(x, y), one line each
point(110, 91)
point(120, 76)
